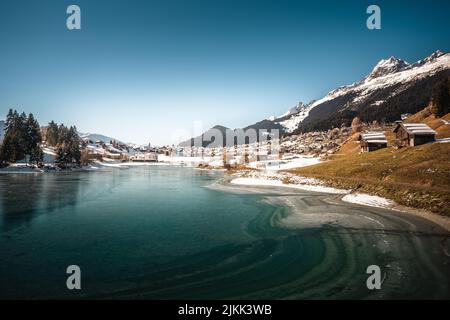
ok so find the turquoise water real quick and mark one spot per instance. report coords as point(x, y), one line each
point(160, 233)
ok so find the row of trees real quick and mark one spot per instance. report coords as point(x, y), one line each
point(441, 98)
point(22, 139)
point(67, 143)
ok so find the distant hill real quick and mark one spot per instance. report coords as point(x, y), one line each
point(208, 138)
point(95, 136)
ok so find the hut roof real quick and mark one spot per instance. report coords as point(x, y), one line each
point(417, 129)
point(373, 137)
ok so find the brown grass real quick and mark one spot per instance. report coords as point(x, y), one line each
point(413, 176)
point(350, 146)
point(426, 116)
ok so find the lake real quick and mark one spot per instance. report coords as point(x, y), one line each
point(163, 232)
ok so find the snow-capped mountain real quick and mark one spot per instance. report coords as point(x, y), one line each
point(294, 110)
point(294, 116)
point(386, 67)
point(429, 59)
point(393, 87)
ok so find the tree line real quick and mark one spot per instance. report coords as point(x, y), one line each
point(67, 143)
point(441, 98)
point(24, 138)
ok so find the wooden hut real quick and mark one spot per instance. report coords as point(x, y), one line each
point(372, 141)
point(413, 134)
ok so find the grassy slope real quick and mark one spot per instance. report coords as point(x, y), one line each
point(413, 176)
point(350, 146)
point(425, 116)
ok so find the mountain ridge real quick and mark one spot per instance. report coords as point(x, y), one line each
point(393, 87)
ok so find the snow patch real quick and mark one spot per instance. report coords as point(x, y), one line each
point(276, 165)
point(368, 200)
point(285, 180)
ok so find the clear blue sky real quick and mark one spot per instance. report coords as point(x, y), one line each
point(139, 69)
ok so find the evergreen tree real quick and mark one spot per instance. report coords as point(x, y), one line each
point(7, 151)
point(14, 144)
point(75, 152)
point(61, 157)
point(62, 134)
point(68, 152)
point(33, 133)
point(51, 136)
point(440, 98)
point(22, 137)
point(9, 119)
point(33, 140)
point(37, 155)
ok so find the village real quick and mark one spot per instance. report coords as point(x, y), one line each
point(268, 152)
point(367, 137)
point(285, 153)
point(370, 137)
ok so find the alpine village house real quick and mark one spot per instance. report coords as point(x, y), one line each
point(413, 134)
point(406, 134)
point(372, 141)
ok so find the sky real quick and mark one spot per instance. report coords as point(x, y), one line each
point(153, 71)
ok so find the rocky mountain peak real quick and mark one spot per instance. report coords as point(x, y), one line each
point(387, 66)
point(431, 58)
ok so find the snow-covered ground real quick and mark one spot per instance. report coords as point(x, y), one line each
point(287, 180)
point(20, 168)
point(177, 159)
point(283, 179)
point(217, 161)
point(49, 155)
point(368, 200)
point(276, 165)
point(278, 183)
point(190, 161)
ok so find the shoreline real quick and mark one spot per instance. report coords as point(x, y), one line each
point(260, 179)
point(344, 195)
point(97, 165)
point(309, 242)
point(360, 235)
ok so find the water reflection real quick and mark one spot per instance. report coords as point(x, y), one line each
point(25, 196)
point(60, 191)
point(20, 195)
